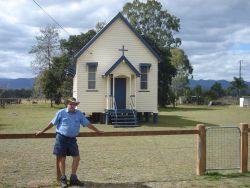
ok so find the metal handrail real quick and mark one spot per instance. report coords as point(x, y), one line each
point(132, 105)
point(132, 101)
point(133, 110)
point(115, 107)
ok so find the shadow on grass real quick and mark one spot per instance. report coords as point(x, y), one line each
point(174, 121)
point(89, 184)
point(186, 109)
point(115, 185)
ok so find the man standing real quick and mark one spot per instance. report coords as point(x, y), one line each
point(67, 122)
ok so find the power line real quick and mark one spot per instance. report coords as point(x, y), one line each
point(56, 22)
point(51, 17)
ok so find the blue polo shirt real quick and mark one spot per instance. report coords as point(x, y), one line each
point(68, 123)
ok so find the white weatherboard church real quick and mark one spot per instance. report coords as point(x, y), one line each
point(116, 76)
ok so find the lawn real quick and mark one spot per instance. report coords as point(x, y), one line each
point(148, 161)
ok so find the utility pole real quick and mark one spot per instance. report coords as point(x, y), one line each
point(240, 78)
point(240, 70)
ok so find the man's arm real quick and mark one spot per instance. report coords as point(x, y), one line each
point(45, 129)
point(92, 127)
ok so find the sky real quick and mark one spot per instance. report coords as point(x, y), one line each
point(215, 34)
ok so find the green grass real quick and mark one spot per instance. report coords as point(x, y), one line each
point(192, 115)
point(148, 161)
point(26, 117)
point(215, 176)
point(30, 117)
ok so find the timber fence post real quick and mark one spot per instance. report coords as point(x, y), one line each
point(200, 150)
point(243, 147)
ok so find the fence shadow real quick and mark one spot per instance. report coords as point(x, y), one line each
point(186, 108)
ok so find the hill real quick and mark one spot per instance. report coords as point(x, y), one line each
point(19, 83)
point(207, 84)
point(27, 83)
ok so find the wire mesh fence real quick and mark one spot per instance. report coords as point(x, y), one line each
point(222, 148)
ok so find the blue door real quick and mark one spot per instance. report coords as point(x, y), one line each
point(120, 93)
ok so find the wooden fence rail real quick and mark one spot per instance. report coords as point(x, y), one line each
point(105, 134)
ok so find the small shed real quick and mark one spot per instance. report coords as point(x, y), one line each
point(245, 101)
point(117, 75)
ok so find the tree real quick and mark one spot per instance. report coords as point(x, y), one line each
point(217, 90)
point(49, 83)
point(198, 93)
point(238, 84)
point(46, 48)
point(150, 20)
point(184, 69)
point(56, 68)
point(65, 62)
point(60, 67)
point(99, 26)
point(181, 62)
point(157, 27)
point(56, 83)
point(37, 89)
point(76, 42)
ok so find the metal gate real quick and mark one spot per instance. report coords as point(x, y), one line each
point(222, 148)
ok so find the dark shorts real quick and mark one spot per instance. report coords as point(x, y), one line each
point(65, 146)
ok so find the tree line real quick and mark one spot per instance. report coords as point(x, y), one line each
point(15, 93)
point(199, 95)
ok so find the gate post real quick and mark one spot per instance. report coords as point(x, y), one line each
point(200, 150)
point(243, 147)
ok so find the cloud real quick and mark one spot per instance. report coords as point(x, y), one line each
point(215, 34)
point(15, 67)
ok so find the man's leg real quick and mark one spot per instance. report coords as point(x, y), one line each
point(73, 178)
point(75, 164)
point(62, 164)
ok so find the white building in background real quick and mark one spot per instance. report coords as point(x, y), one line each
point(245, 101)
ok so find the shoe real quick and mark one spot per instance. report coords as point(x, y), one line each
point(76, 182)
point(63, 182)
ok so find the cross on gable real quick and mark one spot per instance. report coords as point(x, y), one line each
point(123, 50)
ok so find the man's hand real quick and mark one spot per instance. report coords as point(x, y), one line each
point(92, 127)
point(44, 130)
point(38, 133)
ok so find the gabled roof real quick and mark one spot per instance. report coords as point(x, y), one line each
point(122, 59)
point(119, 15)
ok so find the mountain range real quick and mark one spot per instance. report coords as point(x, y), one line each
point(19, 83)
point(207, 84)
point(27, 83)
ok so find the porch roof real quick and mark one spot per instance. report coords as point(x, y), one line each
point(121, 59)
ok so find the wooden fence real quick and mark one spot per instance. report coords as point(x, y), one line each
point(5, 101)
point(200, 142)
